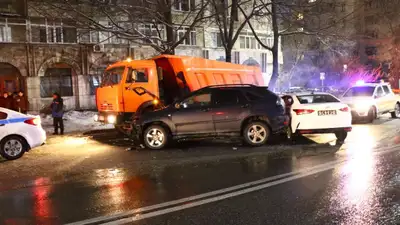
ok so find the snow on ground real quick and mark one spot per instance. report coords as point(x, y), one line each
point(75, 121)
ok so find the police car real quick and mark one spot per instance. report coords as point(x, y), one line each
point(19, 133)
point(369, 100)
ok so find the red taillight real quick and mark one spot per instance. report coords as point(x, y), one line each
point(303, 111)
point(345, 109)
point(33, 121)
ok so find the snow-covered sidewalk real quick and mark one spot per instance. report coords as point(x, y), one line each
point(75, 121)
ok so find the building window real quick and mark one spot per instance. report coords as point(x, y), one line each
point(264, 62)
point(236, 57)
point(151, 31)
point(206, 54)
point(216, 40)
point(12, 30)
point(94, 36)
point(248, 42)
point(191, 39)
point(47, 31)
point(300, 16)
point(185, 5)
point(56, 80)
point(5, 33)
point(94, 83)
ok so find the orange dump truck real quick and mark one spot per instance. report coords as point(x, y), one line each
point(165, 78)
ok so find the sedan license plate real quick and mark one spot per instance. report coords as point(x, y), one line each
point(326, 112)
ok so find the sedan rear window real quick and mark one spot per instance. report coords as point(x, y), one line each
point(309, 99)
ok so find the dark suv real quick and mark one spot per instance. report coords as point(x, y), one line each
point(246, 111)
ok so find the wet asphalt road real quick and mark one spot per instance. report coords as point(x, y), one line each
point(78, 177)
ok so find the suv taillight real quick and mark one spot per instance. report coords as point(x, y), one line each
point(303, 111)
point(33, 121)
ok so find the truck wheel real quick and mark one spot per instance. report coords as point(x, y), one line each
point(396, 113)
point(155, 137)
point(256, 133)
point(341, 136)
point(371, 114)
point(13, 147)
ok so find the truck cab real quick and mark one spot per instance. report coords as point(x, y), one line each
point(368, 100)
point(115, 99)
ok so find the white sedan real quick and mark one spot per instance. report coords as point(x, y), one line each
point(19, 133)
point(312, 113)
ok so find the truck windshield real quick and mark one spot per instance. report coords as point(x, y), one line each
point(359, 92)
point(112, 76)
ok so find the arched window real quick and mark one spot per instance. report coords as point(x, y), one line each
point(57, 79)
point(9, 78)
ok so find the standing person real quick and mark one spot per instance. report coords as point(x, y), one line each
point(13, 97)
point(57, 112)
point(21, 102)
point(6, 101)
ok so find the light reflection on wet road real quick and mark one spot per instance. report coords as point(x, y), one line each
point(356, 192)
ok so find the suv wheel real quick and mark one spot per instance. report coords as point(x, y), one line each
point(13, 147)
point(256, 133)
point(155, 137)
point(396, 113)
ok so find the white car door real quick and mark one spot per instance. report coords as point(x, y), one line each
point(380, 99)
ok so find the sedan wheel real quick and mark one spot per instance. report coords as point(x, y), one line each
point(13, 147)
point(155, 137)
point(256, 134)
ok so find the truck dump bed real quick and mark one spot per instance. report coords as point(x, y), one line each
point(199, 72)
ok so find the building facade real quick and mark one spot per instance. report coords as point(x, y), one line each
point(42, 55)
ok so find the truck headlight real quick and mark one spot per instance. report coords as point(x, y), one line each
point(96, 117)
point(111, 119)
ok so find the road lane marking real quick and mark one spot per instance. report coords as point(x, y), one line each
point(214, 196)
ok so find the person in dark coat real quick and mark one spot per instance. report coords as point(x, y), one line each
point(6, 101)
point(57, 112)
point(21, 103)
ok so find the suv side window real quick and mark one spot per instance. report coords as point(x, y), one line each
point(228, 97)
point(386, 89)
point(379, 92)
point(198, 100)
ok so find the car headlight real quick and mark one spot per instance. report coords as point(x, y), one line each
point(362, 106)
point(111, 119)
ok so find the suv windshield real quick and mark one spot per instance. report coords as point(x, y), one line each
point(112, 76)
point(359, 92)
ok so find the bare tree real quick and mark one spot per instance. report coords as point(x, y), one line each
point(294, 18)
point(226, 17)
point(148, 22)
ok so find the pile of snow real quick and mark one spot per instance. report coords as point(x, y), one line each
point(75, 121)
